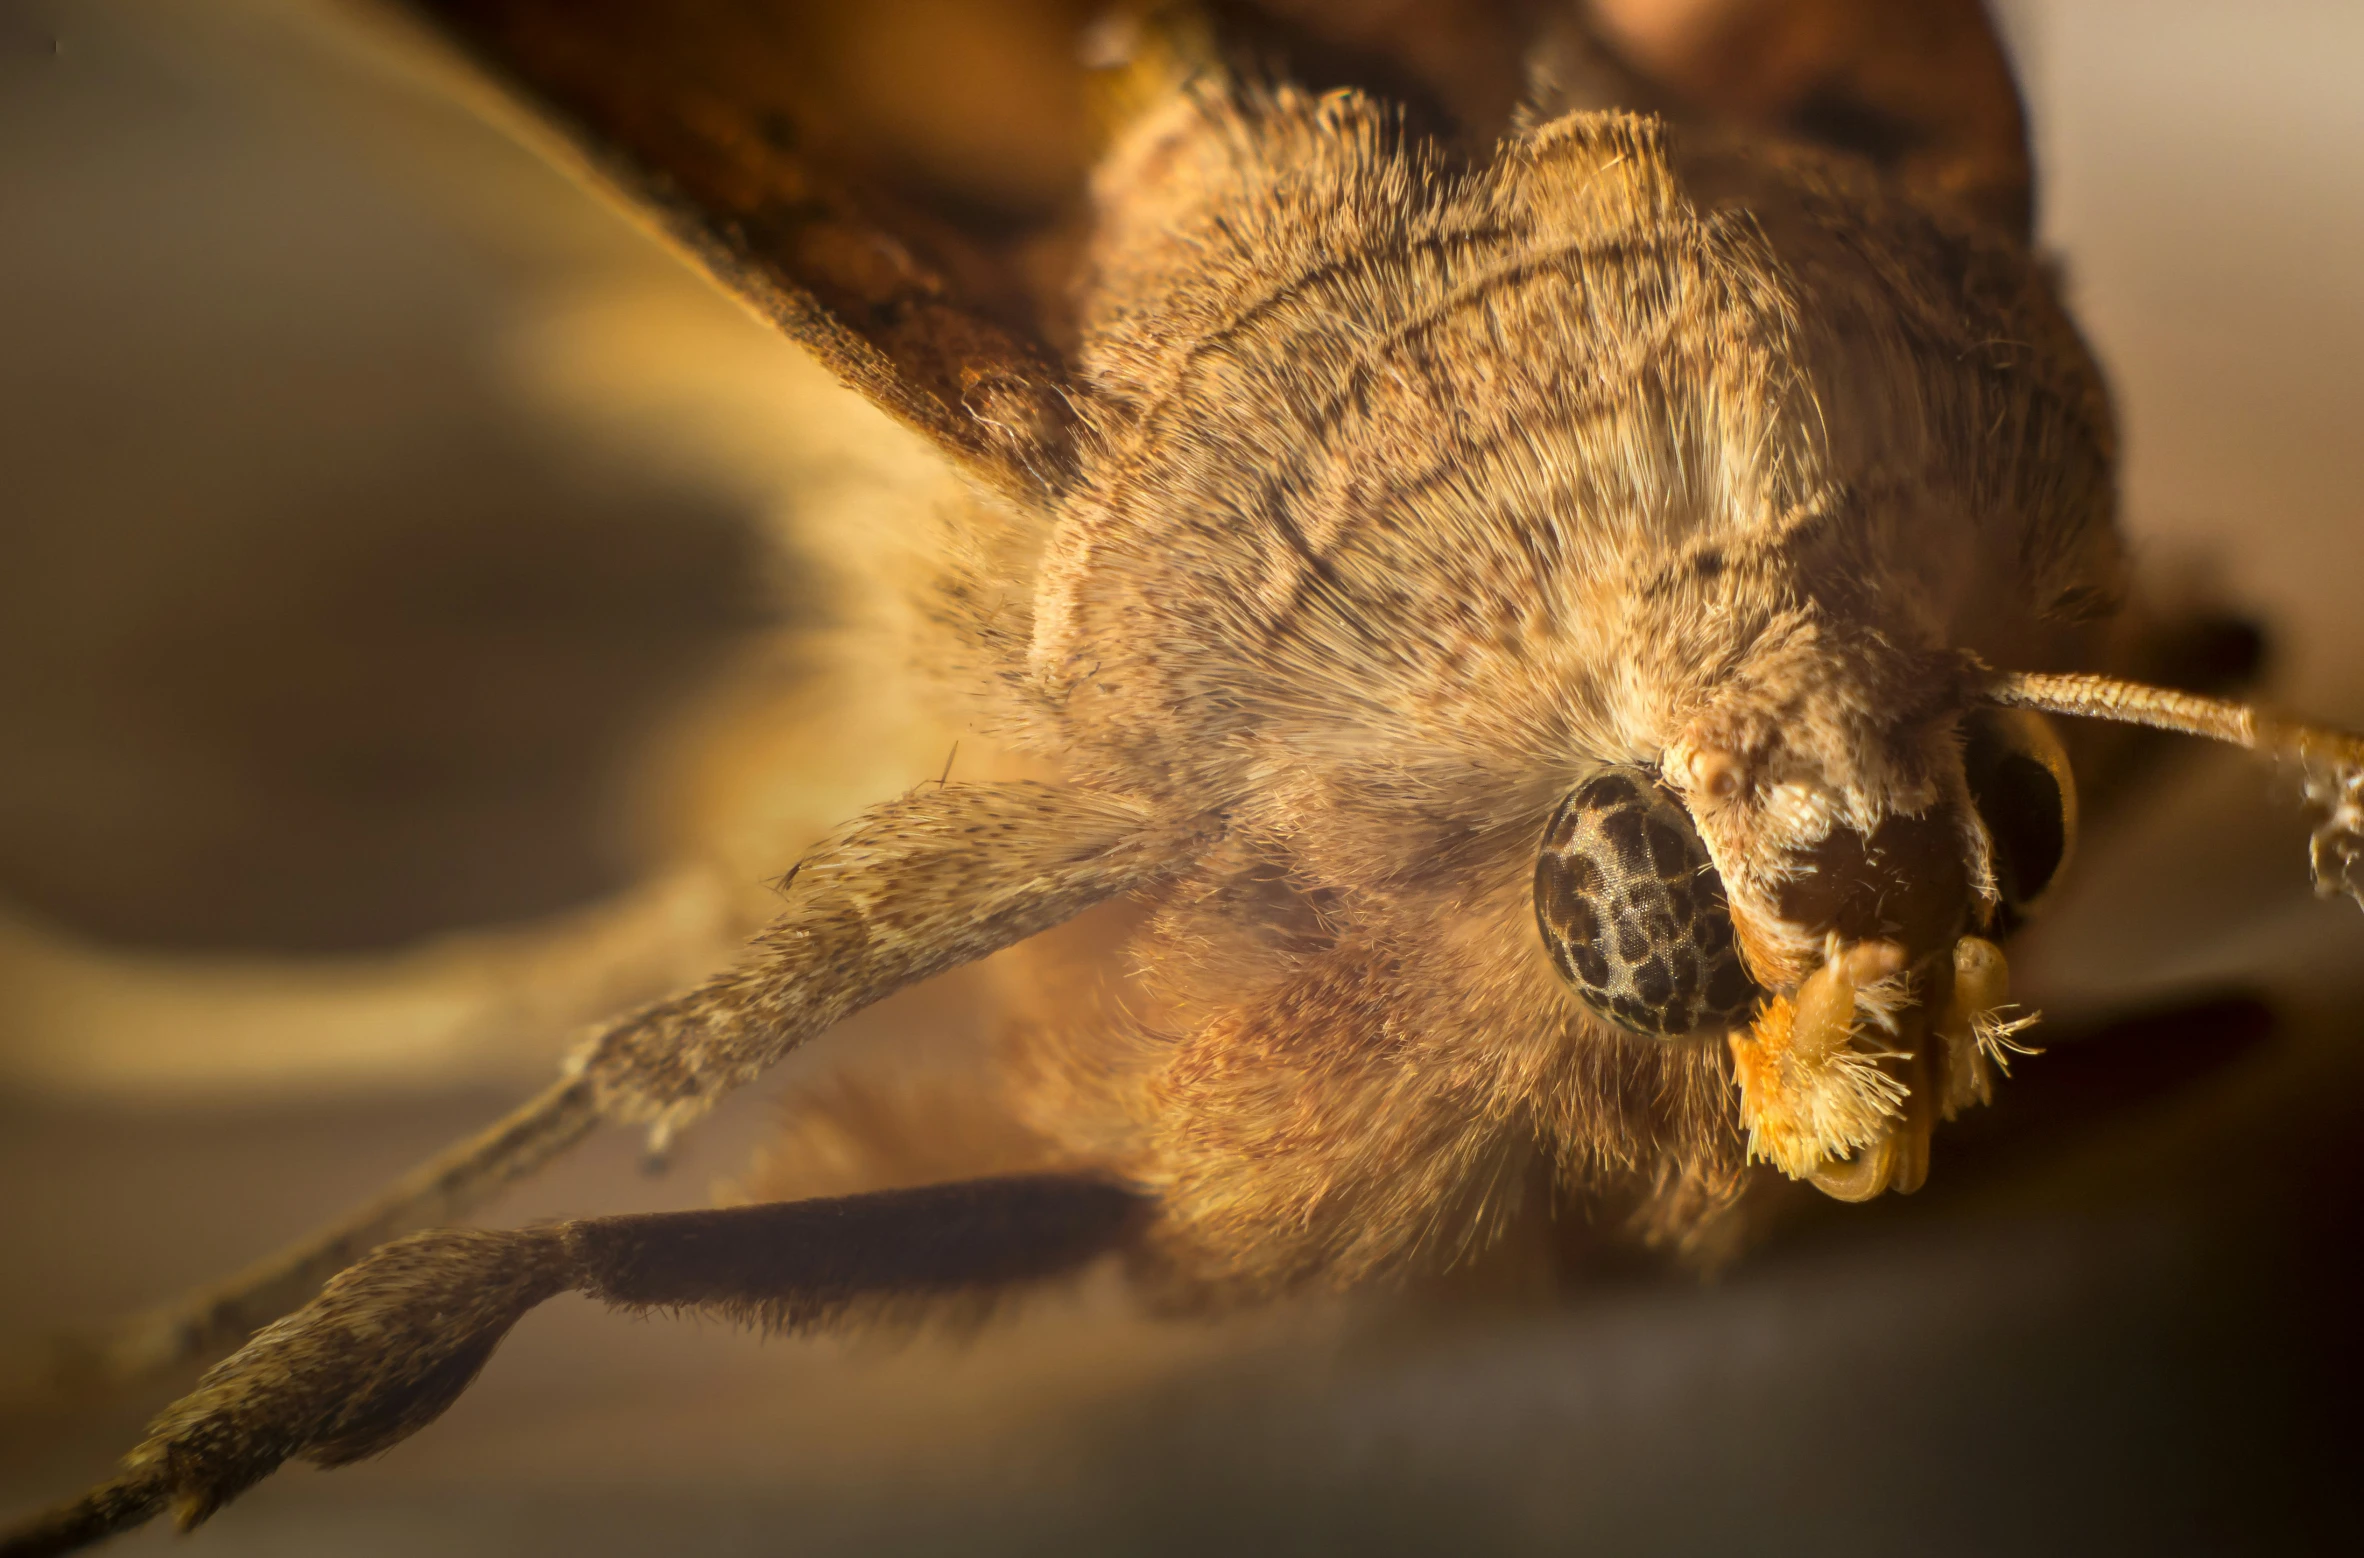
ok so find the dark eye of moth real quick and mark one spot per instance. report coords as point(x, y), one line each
point(2026, 807)
point(1634, 914)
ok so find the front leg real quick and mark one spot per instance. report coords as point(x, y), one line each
point(931, 880)
point(392, 1342)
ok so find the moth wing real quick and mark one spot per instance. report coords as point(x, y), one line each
point(706, 113)
point(1923, 90)
point(696, 112)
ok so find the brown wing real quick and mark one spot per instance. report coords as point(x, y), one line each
point(1921, 87)
point(912, 222)
point(708, 110)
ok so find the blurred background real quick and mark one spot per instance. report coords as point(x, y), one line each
point(429, 614)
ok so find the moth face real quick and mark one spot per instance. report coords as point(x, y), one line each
point(1845, 953)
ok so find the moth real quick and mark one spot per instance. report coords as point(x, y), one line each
point(1536, 646)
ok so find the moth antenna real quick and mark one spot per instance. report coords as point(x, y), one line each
point(2330, 762)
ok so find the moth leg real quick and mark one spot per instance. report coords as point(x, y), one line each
point(392, 1342)
point(933, 879)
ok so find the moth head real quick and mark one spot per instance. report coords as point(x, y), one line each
point(1815, 871)
point(1856, 866)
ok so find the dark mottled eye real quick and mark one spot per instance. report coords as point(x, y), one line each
point(2019, 780)
point(1633, 912)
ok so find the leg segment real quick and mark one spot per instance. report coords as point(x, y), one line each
point(933, 879)
point(392, 1342)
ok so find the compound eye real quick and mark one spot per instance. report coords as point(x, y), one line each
point(1633, 912)
point(2020, 783)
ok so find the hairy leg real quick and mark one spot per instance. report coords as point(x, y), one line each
point(392, 1342)
point(933, 879)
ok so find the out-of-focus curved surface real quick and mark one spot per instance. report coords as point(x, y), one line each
point(432, 614)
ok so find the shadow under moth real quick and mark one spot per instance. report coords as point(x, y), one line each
point(1531, 583)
